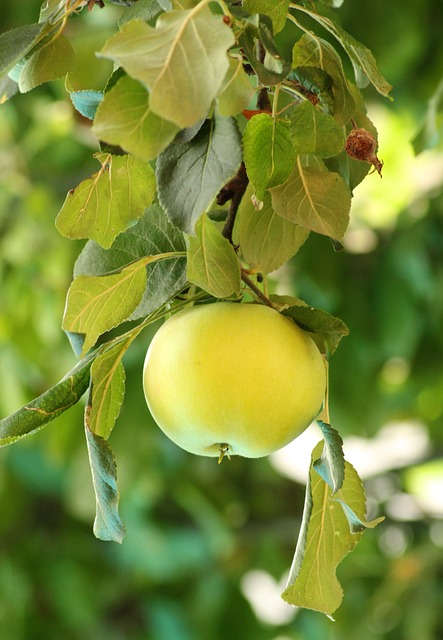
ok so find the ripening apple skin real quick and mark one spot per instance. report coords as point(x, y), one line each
point(233, 378)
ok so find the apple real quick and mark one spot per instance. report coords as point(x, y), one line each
point(233, 379)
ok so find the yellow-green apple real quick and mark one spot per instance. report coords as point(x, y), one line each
point(233, 379)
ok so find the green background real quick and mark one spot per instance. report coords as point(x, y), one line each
point(208, 546)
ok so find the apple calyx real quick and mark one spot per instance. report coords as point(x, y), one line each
point(223, 452)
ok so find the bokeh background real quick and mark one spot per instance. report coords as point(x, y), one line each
point(208, 547)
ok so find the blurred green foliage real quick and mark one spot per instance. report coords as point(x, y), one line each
point(195, 530)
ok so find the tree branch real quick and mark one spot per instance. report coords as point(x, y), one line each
point(234, 190)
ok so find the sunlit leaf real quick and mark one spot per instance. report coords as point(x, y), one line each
point(269, 154)
point(190, 174)
point(125, 118)
point(325, 539)
point(236, 91)
point(96, 304)
point(212, 262)
point(315, 132)
point(36, 414)
point(50, 62)
point(314, 198)
point(275, 9)
point(103, 206)
point(182, 61)
point(311, 51)
point(108, 525)
point(152, 235)
point(266, 239)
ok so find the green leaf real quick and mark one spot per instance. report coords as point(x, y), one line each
point(49, 9)
point(212, 262)
point(315, 132)
point(318, 322)
point(331, 464)
point(108, 525)
point(429, 134)
point(314, 198)
point(36, 414)
point(8, 88)
point(152, 235)
point(269, 154)
point(182, 61)
point(361, 57)
point(275, 9)
point(190, 174)
point(95, 305)
point(107, 389)
point(266, 239)
point(325, 539)
point(143, 10)
point(125, 119)
point(315, 81)
point(273, 69)
point(103, 206)
point(15, 44)
point(311, 51)
point(53, 60)
point(86, 102)
point(236, 91)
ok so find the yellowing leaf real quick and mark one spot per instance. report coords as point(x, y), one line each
point(236, 91)
point(153, 234)
point(125, 119)
point(212, 261)
point(182, 61)
point(101, 207)
point(96, 304)
point(325, 539)
point(314, 198)
point(52, 61)
point(266, 239)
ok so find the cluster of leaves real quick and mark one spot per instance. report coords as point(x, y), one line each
point(218, 157)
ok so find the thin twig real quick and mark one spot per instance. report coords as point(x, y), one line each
point(247, 280)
